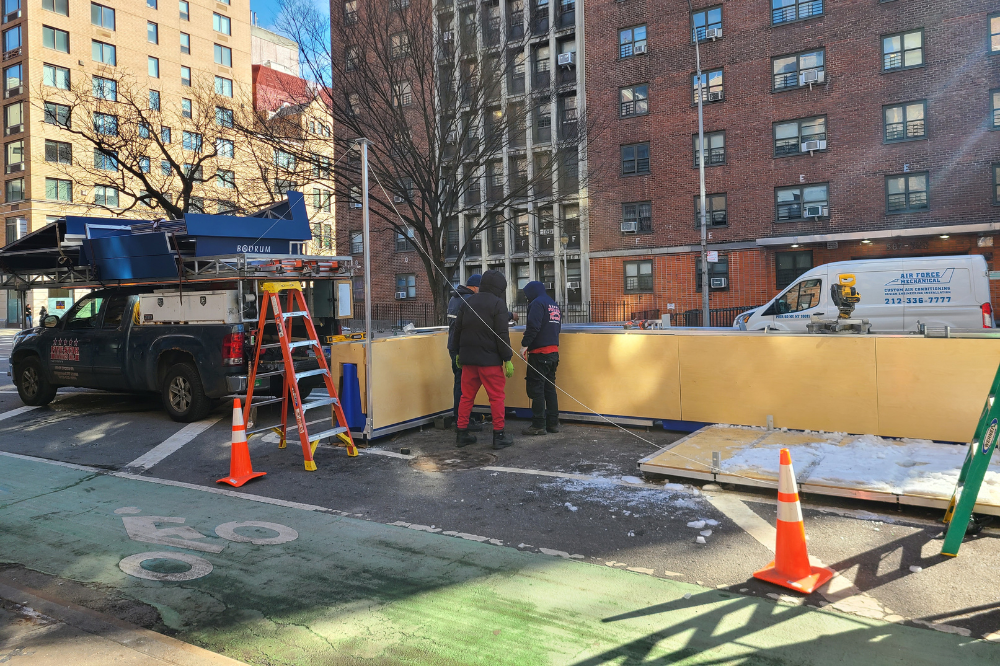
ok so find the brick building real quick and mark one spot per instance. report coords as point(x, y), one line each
point(835, 130)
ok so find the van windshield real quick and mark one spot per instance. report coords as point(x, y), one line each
point(801, 296)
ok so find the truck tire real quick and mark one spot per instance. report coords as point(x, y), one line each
point(183, 395)
point(32, 385)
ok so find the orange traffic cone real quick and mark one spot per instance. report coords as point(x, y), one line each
point(791, 567)
point(240, 469)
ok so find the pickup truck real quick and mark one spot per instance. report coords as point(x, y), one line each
point(99, 344)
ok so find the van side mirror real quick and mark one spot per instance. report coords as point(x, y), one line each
point(50, 322)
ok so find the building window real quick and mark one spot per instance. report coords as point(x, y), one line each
point(710, 86)
point(796, 71)
point(718, 274)
point(223, 117)
point(404, 242)
point(58, 189)
point(164, 134)
point(633, 101)
point(906, 193)
point(105, 88)
point(55, 77)
point(799, 136)
point(104, 53)
point(154, 100)
point(15, 156)
point(402, 94)
point(194, 172)
point(638, 277)
point(186, 108)
point(106, 124)
point(224, 148)
point(144, 164)
point(635, 159)
point(995, 34)
point(13, 118)
point(165, 168)
point(406, 286)
point(996, 183)
point(57, 40)
point(151, 4)
point(221, 24)
point(904, 122)
point(57, 114)
point(995, 115)
point(185, 10)
point(354, 201)
point(802, 202)
point(152, 33)
point(715, 149)
point(790, 265)
point(632, 41)
point(191, 141)
point(783, 11)
point(153, 66)
point(225, 179)
point(400, 45)
point(321, 200)
point(12, 42)
point(59, 152)
point(56, 6)
point(903, 50)
point(101, 16)
point(185, 76)
point(144, 130)
point(358, 287)
point(352, 59)
point(637, 217)
point(705, 21)
point(717, 215)
point(105, 195)
point(357, 242)
point(223, 55)
point(350, 12)
point(186, 44)
point(14, 190)
point(321, 167)
point(284, 160)
point(12, 80)
point(105, 160)
point(223, 86)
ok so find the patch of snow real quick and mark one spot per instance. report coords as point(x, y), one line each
point(631, 533)
point(916, 569)
point(687, 596)
point(700, 539)
point(697, 524)
point(571, 507)
point(706, 533)
point(631, 479)
point(711, 522)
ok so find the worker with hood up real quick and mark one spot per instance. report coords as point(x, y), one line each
point(482, 342)
point(456, 303)
point(540, 348)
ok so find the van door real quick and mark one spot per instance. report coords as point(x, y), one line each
point(792, 309)
point(940, 294)
point(109, 343)
point(880, 304)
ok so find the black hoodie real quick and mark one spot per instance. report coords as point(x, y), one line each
point(480, 335)
point(456, 303)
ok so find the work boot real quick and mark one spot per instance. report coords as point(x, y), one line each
point(464, 439)
point(554, 428)
point(533, 430)
point(501, 440)
point(475, 426)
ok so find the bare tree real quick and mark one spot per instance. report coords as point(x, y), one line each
point(438, 106)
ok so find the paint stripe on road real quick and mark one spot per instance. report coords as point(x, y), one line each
point(744, 517)
point(171, 445)
point(15, 412)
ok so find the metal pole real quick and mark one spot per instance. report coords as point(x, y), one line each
point(369, 422)
point(705, 314)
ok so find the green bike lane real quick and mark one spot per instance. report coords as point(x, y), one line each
point(347, 591)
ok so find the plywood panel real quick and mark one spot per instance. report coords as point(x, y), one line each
point(805, 382)
point(348, 352)
point(933, 388)
point(411, 377)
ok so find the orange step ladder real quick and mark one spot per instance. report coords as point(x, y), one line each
point(333, 426)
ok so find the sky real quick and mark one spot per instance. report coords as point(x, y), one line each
point(267, 10)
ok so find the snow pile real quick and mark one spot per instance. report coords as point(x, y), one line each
point(905, 466)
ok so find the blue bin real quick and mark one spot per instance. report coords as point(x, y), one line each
point(350, 397)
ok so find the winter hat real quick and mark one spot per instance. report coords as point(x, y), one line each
point(474, 280)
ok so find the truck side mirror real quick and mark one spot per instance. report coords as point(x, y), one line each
point(50, 322)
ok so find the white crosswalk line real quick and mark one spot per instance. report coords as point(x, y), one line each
point(171, 444)
point(15, 412)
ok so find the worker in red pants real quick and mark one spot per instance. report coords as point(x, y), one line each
point(482, 343)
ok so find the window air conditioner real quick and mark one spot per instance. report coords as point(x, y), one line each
point(14, 168)
point(718, 282)
point(397, 199)
point(12, 92)
point(811, 76)
point(639, 49)
point(452, 137)
point(575, 284)
point(630, 227)
point(549, 285)
point(14, 129)
point(816, 211)
point(809, 146)
point(715, 96)
point(713, 33)
point(567, 59)
point(400, 295)
point(355, 204)
point(447, 36)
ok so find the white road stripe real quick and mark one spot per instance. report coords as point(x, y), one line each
point(171, 444)
point(15, 412)
point(744, 517)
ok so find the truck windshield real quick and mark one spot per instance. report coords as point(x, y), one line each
point(801, 296)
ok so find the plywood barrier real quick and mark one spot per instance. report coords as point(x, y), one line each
point(894, 386)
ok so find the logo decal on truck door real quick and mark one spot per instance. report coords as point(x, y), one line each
point(65, 350)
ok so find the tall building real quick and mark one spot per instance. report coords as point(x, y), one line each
point(274, 51)
point(833, 130)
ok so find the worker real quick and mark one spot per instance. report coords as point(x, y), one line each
point(540, 349)
point(482, 342)
point(456, 303)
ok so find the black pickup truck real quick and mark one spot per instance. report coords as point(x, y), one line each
point(99, 344)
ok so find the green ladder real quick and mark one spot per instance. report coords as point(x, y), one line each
point(977, 460)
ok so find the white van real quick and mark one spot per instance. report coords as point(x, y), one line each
point(896, 295)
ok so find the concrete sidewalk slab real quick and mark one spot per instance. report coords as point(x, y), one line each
point(350, 591)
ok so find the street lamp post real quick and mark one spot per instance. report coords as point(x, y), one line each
point(701, 173)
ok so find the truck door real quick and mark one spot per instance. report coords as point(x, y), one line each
point(109, 343)
point(792, 309)
point(71, 354)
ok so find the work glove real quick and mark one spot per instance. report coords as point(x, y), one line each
point(458, 363)
point(508, 369)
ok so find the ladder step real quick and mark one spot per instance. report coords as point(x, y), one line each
point(272, 373)
point(294, 428)
point(256, 403)
point(318, 403)
point(303, 343)
point(326, 433)
point(274, 346)
point(310, 373)
point(297, 313)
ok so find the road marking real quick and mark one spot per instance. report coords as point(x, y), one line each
point(15, 412)
point(143, 528)
point(744, 517)
point(132, 565)
point(285, 534)
point(171, 444)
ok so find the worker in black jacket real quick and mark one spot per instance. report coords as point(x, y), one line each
point(540, 348)
point(482, 343)
point(456, 303)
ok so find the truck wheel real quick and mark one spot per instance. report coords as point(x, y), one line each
point(183, 395)
point(32, 385)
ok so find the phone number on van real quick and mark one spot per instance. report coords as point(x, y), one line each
point(927, 299)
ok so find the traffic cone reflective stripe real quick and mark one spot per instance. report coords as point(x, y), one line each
point(240, 469)
point(791, 567)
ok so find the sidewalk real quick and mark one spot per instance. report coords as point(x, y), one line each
point(340, 590)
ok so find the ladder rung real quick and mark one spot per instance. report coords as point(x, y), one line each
point(310, 373)
point(294, 428)
point(274, 346)
point(318, 403)
point(326, 433)
point(268, 401)
point(269, 374)
point(303, 343)
point(257, 431)
point(297, 313)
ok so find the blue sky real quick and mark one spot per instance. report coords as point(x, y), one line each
point(267, 10)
